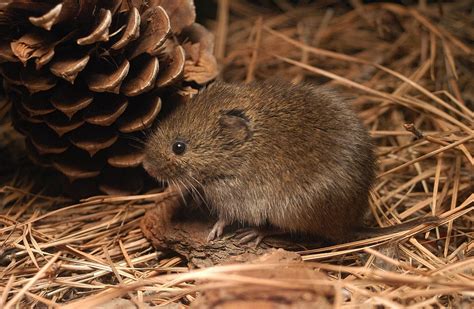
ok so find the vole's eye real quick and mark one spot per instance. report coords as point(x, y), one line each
point(179, 148)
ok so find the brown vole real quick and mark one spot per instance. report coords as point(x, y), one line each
point(294, 156)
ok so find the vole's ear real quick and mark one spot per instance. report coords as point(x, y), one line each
point(235, 124)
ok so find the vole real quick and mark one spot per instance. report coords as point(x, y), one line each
point(293, 156)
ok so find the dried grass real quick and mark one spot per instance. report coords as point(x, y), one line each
point(53, 252)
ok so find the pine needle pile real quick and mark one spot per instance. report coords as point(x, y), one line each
point(410, 73)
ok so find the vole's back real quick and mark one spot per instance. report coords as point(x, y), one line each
point(307, 166)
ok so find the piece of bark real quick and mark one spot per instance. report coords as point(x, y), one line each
point(187, 235)
point(170, 226)
point(260, 295)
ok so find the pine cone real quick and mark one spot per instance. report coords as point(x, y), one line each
point(89, 77)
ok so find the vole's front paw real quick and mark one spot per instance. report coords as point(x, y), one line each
point(217, 229)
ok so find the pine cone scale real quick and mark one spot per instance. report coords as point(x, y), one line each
point(174, 68)
point(101, 32)
point(141, 115)
point(70, 100)
point(157, 27)
point(45, 140)
point(103, 82)
point(142, 76)
point(123, 156)
point(61, 124)
point(33, 45)
point(38, 105)
point(108, 115)
point(92, 139)
point(68, 68)
point(131, 32)
point(47, 20)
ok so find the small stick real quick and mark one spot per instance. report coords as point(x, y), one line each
point(223, 22)
point(410, 127)
point(253, 60)
point(454, 200)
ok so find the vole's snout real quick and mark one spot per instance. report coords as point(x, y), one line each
point(150, 168)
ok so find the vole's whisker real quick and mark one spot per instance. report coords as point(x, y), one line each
point(197, 181)
point(147, 132)
point(173, 182)
point(198, 193)
point(189, 187)
point(134, 138)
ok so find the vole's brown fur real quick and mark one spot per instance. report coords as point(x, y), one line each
point(294, 156)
